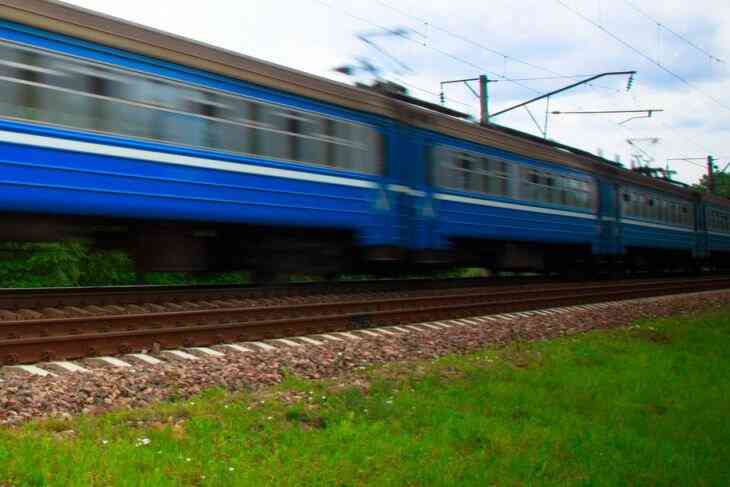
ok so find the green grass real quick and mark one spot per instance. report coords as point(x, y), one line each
point(646, 405)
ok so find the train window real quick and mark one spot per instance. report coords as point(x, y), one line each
point(556, 189)
point(235, 132)
point(26, 97)
point(63, 90)
point(662, 210)
point(343, 154)
point(467, 171)
point(551, 193)
point(651, 207)
point(466, 177)
point(360, 148)
point(720, 221)
point(295, 128)
point(530, 184)
point(494, 177)
point(274, 140)
point(312, 146)
point(645, 208)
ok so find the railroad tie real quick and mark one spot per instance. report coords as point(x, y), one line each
point(207, 351)
point(149, 359)
point(311, 341)
point(33, 370)
point(113, 361)
point(70, 366)
point(181, 354)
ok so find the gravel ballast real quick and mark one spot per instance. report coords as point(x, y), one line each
point(24, 397)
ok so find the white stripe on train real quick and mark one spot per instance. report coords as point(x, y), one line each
point(168, 158)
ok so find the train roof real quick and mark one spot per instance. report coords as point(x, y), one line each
point(58, 17)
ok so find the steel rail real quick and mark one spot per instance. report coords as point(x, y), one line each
point(166, 332)
point(37, 298)
point(115, 322)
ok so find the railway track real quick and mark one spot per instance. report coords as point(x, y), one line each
point(39, 298)
point(234, 319)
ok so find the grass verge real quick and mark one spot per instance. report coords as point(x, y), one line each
point(641, 405)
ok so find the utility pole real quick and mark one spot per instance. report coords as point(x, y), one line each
point(484, 98)
point(483, 94)
point(711, 169)
point(711, 174)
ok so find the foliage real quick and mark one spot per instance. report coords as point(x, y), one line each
point(645, 405)
point(77, 263)
point(62, 264)
point(65, 264)
point(722, 184)
point(181, 278)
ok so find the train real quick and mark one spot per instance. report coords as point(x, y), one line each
point(196, 159)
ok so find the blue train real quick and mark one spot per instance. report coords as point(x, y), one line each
point(194, 158)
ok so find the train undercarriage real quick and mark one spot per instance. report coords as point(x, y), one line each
point(274, 254)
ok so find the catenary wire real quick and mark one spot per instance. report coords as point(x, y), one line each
point(445, 53)
point(479, 45)
point(673, 32)
point(643, 55)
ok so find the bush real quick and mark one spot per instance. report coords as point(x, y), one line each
point(62, 264)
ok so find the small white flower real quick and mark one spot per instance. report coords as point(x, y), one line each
point(142, 441)
point(104, 442)
point(188, 459)
point(231, 469)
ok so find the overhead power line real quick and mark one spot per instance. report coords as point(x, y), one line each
point(674, 33)
point(690, 160)
point(451, 56)
point(431, 92)
point(479, 45)
point(688, 140)
point(645, 56)
point(464, 38)
point(465, 62)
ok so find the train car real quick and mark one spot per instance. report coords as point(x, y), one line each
point(715, 237)
point(176, 157)
point(494, 208)
point(658, 230)
point(194, 158)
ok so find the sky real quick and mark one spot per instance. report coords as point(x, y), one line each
point(679, 49)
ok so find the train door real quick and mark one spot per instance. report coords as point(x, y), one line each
point(609, 212)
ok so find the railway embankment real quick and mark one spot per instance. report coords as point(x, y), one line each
point(639, 398)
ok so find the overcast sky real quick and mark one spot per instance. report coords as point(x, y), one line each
point(507, 40)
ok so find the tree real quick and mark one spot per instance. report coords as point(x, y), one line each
point(722, 184)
